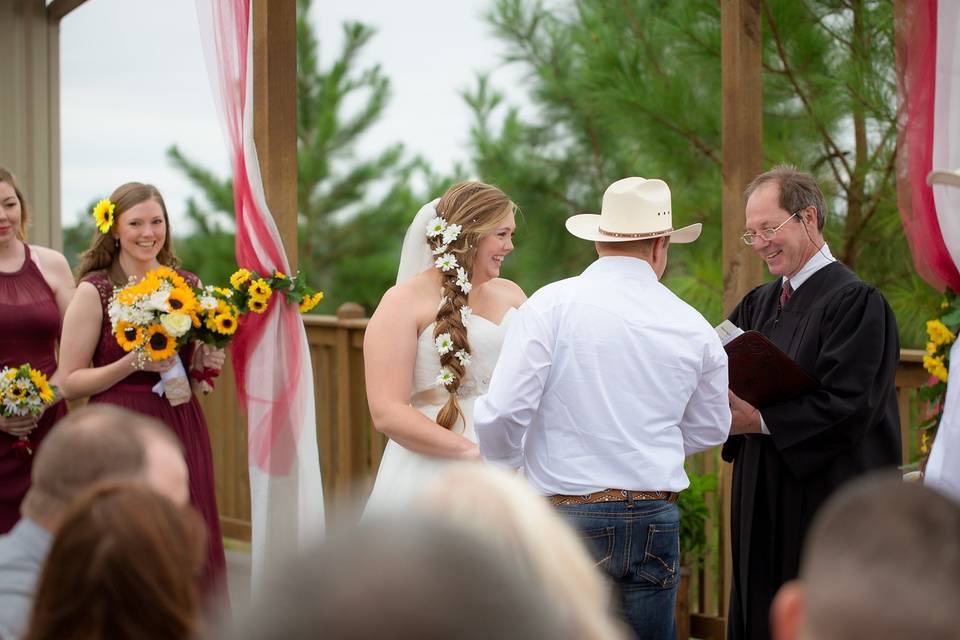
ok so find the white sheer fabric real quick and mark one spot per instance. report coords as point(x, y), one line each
point(286, 492)
point(416, 257)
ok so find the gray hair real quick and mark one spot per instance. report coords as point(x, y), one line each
point(798, 190)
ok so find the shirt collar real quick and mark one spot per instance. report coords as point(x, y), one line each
point(818, 261)
point(622, 265)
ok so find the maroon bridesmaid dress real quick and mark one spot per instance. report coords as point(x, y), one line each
point(29, 329)
point(186, 421)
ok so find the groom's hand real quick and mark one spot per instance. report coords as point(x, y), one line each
point(744, 416)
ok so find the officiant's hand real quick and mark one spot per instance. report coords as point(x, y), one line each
point(745, 417)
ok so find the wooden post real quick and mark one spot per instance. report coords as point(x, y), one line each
point(30, 108)
point(742, 134)
point(275, 112)
point(742, 160)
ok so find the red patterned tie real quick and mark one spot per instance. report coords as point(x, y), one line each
point(785, 293)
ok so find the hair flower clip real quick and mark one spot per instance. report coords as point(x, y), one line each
point(103, 215)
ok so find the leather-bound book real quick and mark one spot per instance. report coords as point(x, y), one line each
point(761, 373)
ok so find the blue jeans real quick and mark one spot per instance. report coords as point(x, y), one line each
point(638, 544)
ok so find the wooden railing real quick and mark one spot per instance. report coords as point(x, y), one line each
point(350, 451)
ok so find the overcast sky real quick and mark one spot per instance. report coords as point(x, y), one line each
point(133, 82)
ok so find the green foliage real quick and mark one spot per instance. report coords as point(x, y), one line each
point(694, 514)
point(77, 237)
point(633, 88)
point(348, 239)
point(941, 336)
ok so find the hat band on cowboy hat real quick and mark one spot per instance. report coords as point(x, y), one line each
point(635, 236)
point(632, 209)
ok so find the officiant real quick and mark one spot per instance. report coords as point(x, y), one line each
point(789, 457)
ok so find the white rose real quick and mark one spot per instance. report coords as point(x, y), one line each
point(176, 324)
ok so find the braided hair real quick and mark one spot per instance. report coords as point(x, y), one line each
point(472, 209)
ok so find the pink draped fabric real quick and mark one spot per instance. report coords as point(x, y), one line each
point(270, 352)
point(917, 50)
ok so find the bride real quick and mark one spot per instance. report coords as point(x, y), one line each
point(433, 341)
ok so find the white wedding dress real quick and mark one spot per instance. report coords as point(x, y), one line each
point(404, 473)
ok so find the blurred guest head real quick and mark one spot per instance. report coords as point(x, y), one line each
point(122, 566)
point(99, 442)
point(401, 579)
point(882, 561)
point(503, 508)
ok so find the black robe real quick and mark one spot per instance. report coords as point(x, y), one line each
point(842, 332)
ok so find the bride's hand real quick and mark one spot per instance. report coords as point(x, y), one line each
point(471, 453)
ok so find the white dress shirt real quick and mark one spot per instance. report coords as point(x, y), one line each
point(818, 261)
point(605, 381)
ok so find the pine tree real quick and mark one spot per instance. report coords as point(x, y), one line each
point(633, 88)
point(348, 241)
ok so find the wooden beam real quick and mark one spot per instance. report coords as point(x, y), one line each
point(741, 46)
point(58, 9)
point(30, 108)
point(742, 135)
point(275, 112)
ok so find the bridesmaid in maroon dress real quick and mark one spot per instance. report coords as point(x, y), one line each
point(138, 241)
point(35, 289)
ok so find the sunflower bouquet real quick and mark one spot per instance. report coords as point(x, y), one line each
point(252, 292)
point(219, 316)
point(24, 391)
point(220, 309)
point(154, 318)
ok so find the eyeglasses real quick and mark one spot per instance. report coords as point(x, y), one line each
point(767, 234)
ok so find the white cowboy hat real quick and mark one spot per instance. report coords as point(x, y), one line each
point(951, 178)
point(633, 209)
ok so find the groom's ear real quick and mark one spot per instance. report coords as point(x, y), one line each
point(660, 247)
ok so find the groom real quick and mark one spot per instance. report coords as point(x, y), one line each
point(605, 383)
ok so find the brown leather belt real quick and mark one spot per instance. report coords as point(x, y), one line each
point(613, 495)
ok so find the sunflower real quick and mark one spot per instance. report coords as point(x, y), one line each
point(260, 289)
point(239, 278)
point(182, 300)
point(257, 304)
point(309, 302)
point(46, 393)
point(159, 344)
point(150, 284)
point(128, 296)
point(129, 336)
point(44, 390)
point(16, 392)
point(103, 215)
point(166, 273)
point(225, 324)
point(37, 378)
